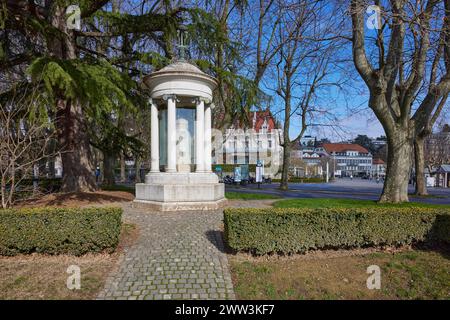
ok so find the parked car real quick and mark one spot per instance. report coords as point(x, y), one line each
point(228, 180)
point(267, 179)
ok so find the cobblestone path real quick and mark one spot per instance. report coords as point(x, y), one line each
point(179, 255)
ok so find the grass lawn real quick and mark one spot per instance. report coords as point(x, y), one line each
point(249, 196)
point(404, 275)
point(343, 203)
point(39, 276)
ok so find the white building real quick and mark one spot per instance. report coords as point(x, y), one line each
point(378, 168)
point(349, 159)
point(307, 143)
point(261, 142)
point(379, 142)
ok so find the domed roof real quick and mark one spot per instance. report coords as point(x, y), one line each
point(180, 78)
point(181, 66)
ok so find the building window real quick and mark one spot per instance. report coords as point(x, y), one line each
point(270, 144)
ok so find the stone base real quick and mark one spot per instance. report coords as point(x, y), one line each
point(178, 206)
point(180, 191)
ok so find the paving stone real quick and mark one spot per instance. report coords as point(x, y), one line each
point(179, 255)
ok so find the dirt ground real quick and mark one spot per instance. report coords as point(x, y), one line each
point(39, 276)
point(79, 199)
point(405, 274)
point(234, 203)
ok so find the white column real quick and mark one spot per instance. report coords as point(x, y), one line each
point(199, 136)
point(208, 138)
point(171, 135)
point(154, 138)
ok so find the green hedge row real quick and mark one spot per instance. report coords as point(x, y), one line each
point(230, 167)
point(59, 231)
point(296, 230)
point(302, 180)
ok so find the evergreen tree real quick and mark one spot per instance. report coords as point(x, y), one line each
point(92, 73)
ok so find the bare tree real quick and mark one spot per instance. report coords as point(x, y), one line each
point(419, 149)
point(25, 136)
point(437, 148)
point(303, 71)
point(268, 22)
point(395, 76)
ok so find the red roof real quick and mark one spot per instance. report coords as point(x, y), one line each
point(378, 161)
point(257, 120)
point(343, 147)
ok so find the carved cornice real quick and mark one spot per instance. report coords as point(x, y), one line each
point(169, 96)
point(197, 100)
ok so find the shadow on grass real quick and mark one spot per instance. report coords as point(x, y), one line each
point(217, 238)
point(441, 248)
point(438, 238)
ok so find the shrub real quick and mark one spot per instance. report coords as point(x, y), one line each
point(59, 230)
point(302, 180)
point(45, 184)
point(230, 167)
point(296, 230)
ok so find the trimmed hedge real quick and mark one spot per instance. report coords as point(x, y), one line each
point(230, 167)
point(296, 230)
point(59, 230)
point(302, 180)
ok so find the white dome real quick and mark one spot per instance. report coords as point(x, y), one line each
point(180, 66)
point(182, 79)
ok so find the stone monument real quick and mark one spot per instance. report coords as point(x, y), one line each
point(183, 146)
point(180, 180)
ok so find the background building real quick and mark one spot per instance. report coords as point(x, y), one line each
point(308, 143)
point(378, 168)
point(437, 148)
point(349, 159)
point(260, 142)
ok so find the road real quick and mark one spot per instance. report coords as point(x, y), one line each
point(342, 188)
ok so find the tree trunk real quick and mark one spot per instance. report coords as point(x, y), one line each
point(3, 192)
point(123, 176)
point(73, 137)
point(400, 148)
point(285, 170)
point(419, 157)
point(51, 160)
point(137, 179)
point(51, 167)
point(109, 163)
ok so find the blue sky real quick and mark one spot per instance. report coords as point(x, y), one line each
point(350, 108)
